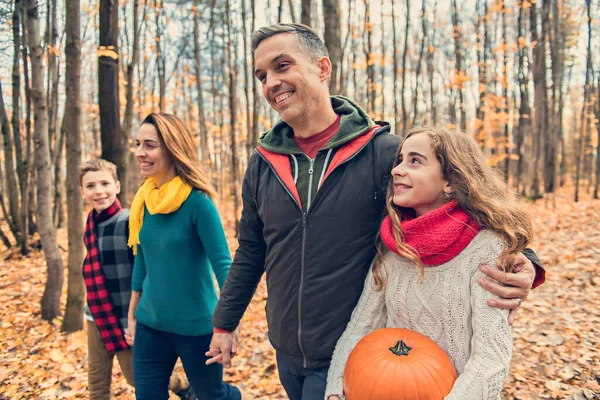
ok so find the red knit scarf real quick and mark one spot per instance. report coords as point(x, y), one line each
point(438, 236)
point(98, 296)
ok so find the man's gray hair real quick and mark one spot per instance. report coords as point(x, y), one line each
point(308, 39)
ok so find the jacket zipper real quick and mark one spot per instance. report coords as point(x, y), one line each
point(304, 363)
point(310, 179)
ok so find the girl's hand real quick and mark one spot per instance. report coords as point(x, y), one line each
point(130, 335)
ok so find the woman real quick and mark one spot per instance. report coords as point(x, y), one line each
point(179, 244)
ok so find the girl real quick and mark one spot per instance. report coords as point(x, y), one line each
point(179, 243)
point(447, 212)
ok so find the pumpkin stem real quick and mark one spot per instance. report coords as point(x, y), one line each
point(400, 349)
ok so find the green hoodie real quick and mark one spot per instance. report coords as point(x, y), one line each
point(354, 122)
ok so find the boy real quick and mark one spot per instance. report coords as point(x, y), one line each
point(107, 272)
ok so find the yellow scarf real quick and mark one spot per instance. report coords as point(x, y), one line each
point(165, 200)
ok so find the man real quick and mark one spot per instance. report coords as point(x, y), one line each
point(313, 196)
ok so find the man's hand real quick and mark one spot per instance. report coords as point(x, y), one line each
point(223, 347)
point(517, 284)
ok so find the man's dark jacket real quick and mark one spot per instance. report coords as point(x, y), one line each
point(316, 260)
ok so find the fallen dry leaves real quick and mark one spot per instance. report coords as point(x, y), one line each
point(556, 334)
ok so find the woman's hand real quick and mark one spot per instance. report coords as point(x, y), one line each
point(131, 319)
point(130, 335)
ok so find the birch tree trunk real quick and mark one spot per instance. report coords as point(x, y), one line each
point(51, 296)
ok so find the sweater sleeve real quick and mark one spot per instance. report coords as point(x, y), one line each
point(369, 314)
point(491, 346)
point(249, 261)
point(139, 270)
point(212, 235)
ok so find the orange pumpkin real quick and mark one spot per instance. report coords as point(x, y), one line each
point(398, 364)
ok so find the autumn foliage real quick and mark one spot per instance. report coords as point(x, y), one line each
point(556, 333)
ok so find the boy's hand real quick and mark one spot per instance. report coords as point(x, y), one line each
point(513, 288)
point(130, 335)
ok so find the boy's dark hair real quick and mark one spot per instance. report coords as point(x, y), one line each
point(97, 164)
point(308, 39)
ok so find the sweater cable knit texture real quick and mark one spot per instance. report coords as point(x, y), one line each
point(449, 307)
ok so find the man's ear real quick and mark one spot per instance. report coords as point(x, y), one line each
point(325, 66)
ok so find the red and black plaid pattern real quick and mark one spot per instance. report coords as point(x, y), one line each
point(98, 296)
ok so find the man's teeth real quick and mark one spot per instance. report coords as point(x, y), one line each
point(283, 97)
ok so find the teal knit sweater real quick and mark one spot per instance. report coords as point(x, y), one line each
point(174, 265)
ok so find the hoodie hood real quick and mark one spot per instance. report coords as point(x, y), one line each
point(354, 122)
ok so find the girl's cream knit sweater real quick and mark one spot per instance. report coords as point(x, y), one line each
point(449, 307)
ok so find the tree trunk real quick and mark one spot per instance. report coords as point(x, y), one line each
point(584, 110)
point(135, 50)
point(27, 187)
point(52, 76)
point(59, 209)
point(421, 54)
point(507, 109)
point(397, 121)
point(404, 61)
point(382, 42)
point(160, 59)
point(199, 89)
point(482, 63)
point(459, 67)
point(73, 320)
point(255, 96)
point(231, 53)
point(250, 133)
point(11, 176)
point(368, 50)
point(540, 114)
point(333, 42)
point(279, 11)
point(431, 68)
point(16, 112)
point(549, 128)
point(597, 186)
point(51, 297)
point(305, 17)
point(524, 125)
point(114, 141)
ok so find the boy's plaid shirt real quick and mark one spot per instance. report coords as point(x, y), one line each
point(99, 293)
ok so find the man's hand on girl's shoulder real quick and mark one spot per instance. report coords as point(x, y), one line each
point(512, 287)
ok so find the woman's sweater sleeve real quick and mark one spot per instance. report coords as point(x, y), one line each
point(212, 235)
point(139, 270)
point(368, 315)
point(487, 367)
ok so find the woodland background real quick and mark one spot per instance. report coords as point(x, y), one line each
point(77, 77)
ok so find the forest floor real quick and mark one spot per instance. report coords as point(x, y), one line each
point(556, 333)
